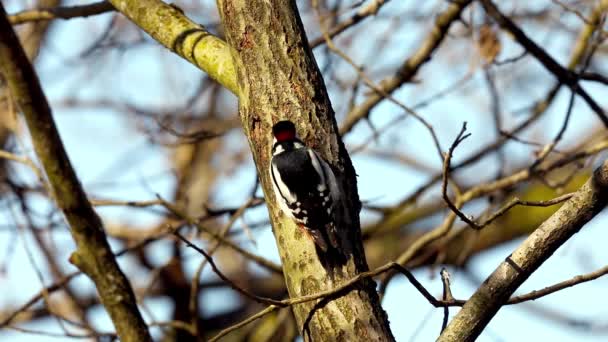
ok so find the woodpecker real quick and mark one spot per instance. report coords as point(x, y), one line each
point(304, 185)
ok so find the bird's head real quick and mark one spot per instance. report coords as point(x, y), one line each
point(285, 137)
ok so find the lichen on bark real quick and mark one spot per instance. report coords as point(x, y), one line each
point(279, 79)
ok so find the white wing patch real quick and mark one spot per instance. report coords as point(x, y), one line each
point(277, 150)
point(288, 201)
point(323, 169)
point(281, 192)
point(331, 181)
point(316, 163)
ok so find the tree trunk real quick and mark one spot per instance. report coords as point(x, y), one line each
point(279, 79)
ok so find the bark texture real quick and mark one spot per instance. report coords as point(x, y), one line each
point(278, 79)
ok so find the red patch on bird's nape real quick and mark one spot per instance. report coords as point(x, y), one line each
point(284, 131)
point(285, 136)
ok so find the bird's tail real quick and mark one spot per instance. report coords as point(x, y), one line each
point(332, 258)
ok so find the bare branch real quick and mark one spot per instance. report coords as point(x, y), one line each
point(447, 296)
point(70, 12)
point(579, 279)
point(182, 36)
point(446, 170)
point(368, 10)
point(587, 202)
point(564, 75)
point(239, 289)
point(410, 67)
point(93, 255)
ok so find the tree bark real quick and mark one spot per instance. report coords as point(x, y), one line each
point(279, 79)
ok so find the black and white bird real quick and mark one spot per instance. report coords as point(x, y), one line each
point(304, 185)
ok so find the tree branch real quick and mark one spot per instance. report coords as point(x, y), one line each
point(171, 28)
point(93, 255)
point(369, 9)
point(587, 202)
point(410, 67)
point(60, 12)
point(564, 75)
point(581, 45)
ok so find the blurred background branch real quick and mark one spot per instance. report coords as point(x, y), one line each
point(158, 146)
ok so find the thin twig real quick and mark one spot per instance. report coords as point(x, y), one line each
point(27, 162)
point(271, 266)
point(60, 12)
point(564, 75)
point(368, 10)
point(244, 322)
point(193, 305)
point(446, 171)
point(410, 67)
point(262, 300)
point(378, 89)
point(516, 201)
point(447, 296)
point(579, 279)
point(572, 10)
point(135, 204)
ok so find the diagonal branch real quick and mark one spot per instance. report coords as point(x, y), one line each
point(169, 26)
point(93, 255)
point(587, 202)
point(581, 45)
point(60, 12)
point(410, 67)
point(564, 75)
point(369, 9)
